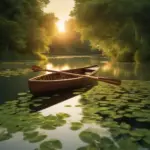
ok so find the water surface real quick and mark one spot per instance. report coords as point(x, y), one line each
point(14, 79)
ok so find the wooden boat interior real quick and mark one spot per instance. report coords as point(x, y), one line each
point(60, 76)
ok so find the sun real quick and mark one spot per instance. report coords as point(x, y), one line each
point(61, 25)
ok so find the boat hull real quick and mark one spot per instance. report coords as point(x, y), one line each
point(44, 87)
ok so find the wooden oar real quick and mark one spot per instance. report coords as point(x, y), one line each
point(103, 79)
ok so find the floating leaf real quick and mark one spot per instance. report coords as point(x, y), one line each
point(68, 106)
point(89, 137)
point(44, 98)
point(38, 100)
point(111, 124)
point(36, 105)
point(34, 137)
point(47, 125)
point(22, 94)
point(147, 139)
point(136, 133)
point(125, 144)
point(125, 125)
point(76, 125)
point(51, 145)
point(62, 115)
point(29, 135)
point(5, 136)
point(78, 105)
point(90, 147)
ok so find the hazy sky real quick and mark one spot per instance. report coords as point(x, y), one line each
point(61, 8)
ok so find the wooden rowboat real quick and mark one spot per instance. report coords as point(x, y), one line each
point(57, 81)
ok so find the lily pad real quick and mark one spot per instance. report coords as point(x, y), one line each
point(125, 125)
point(147, 139)
point(38, 100)
point(136, 133)
point(29, 135)
point(5, 136)
point(48, 126)
point(125, 144)
point(34, 137)
point(90, 147)
point(22, 94)
point(78, 105)
point(36, 105)
point(111, 124)
point(51, 145)
point(68, 106)
point(142, 119)
point(89, 137)
point(44, 98)
point(62, 115)
point(76, 125)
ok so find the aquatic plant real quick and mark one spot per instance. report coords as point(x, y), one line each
point(124, 109)
point(76, 125)
point(16, 116)
point(52, 144)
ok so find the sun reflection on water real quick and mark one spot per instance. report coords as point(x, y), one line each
point(52, 67)
point(106, 67)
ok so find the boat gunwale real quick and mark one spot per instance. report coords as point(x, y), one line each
point(64, 80)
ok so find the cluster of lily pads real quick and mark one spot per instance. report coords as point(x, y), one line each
point(124, 109)
point(16, 116)
point(14, 72)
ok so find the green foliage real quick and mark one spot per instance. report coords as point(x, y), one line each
point(124, 109)
point(120, 28)
point(24, 27)
point(52, 144)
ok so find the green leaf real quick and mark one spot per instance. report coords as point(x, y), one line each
point(51, 145)
point(147, 139)
point(125, 144)
point(76, 125)
point(22, 94)
point(38, 138)
point(5, 136)
point(89, 137)
point(68, 106)
point(62, 115)
point(125, 125)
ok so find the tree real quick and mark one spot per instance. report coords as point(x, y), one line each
point(120, 27)
point(24, 27)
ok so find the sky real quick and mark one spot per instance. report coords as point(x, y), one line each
point(61, 8)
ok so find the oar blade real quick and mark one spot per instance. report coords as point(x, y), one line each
point(36, 68)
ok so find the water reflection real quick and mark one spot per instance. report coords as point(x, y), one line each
point(126, 71)
point(50, 66)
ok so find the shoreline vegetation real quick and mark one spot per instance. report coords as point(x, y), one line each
point(27, 29)
point(122, 29)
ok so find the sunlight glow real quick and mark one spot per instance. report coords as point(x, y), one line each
point(51, 67)
point(106, 67)
point(61, 25)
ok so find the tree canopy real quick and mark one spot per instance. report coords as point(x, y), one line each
point(120, 27)
point(24, 27)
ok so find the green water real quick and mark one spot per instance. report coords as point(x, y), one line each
point(13, 79)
